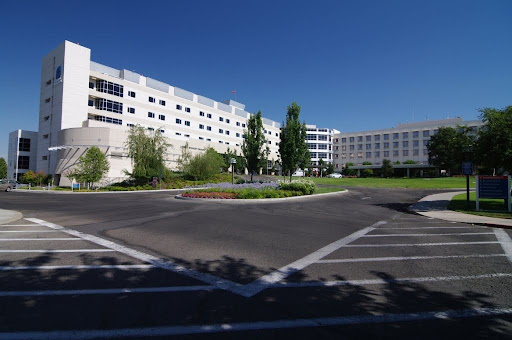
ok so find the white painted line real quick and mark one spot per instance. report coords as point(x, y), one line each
point(56, 251)
point(386, 281)
point(419, 244)
point(29, 231)
point(18, 225)
point(433, 228)
point(407, 258)
point(105, 266)
point(207, 278)
point(41, 239)
point(446, 234)
point(505, 241)
point(106, 291)
point(166, 331)
point(283, 272)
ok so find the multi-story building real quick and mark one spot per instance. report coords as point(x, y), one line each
point(84, 103)
point(22, 153)
point(320, 143)
point(403, 142)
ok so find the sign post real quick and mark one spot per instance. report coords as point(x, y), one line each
point(467, 169)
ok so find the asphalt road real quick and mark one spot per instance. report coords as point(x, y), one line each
point(353, 265)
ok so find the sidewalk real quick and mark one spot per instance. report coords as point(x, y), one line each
point(8, 216)
point(436, 206)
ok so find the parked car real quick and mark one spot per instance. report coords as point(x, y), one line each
point(335, 175)
point(5, 185)
point(15, 184)
point(298, 173)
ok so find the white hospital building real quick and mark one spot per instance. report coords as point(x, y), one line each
point(320, 143)
point(84, 103)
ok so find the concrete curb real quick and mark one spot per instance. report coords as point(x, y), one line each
point(57, 192)
point(8, 216)
point(436, 206)
point(259, 200)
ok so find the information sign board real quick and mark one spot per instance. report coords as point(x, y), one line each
point(467, 168)
point(493, 187)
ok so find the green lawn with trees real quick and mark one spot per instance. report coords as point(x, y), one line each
point(492, 207)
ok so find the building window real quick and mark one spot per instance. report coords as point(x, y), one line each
point(386, 136)
point(45, 136)
point(395, 145)
point(386, 153)
point(352, 147)
point(368, 146)
point(178, 134)
point(151, 129)
point(368, 138)
point(395, 153)
point(426, 133)
point(237, 123)
point(90, 102)
point(201, 126)
point(178, 121)
point(322, 137)
point(311, 137)
point(221, 131)
point(405, 144)
point(187, 123)
point(161, 117)
point(24, 144)
point(109, 105)
point(227, 122)
point(221, 119)
point(46, 118)
point(386, 145)
point(377, 145)
point(227, 132)
point(178, 107)
point(243, 125)
point(377, 153)
point(209, 115)
point(359, 146)
point(151, 115)
point(343, 148)
point(130, 124)
point(161, 102)
point(415, 152)
point(221, 142)
point(131, 94)
point(395, 136)
point(131, 110)
point(187, 109)
point(405, 135)
point(109, 87)
point(376, 138)
point(322, 146)
point(359, 138)
point(415, 143)
point(201, 113)
point(368, 155)
point(405, 152)
point(344, 140)
point(162, 131)
point(109, 120)
point(47, 100)
point(151, 99)
point(237, 134)
point(44, 158)
point(415, 134)
point(209, 128)
point(23, 162)
point(359, 155)
point(50, 81)
point(425, 142)
point(186, 136)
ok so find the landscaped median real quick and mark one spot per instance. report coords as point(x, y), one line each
point(257, 190)
point(489, 207)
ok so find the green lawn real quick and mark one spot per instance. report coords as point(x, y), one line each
point(412, 183)
point(458, 203)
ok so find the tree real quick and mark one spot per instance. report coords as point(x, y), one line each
point(252, 147)
point(367, 173)
point(494, 146)
point(28, 177)
point(3, 168)
point(240, 161)
point(321, 166)
point(292, 147)
point(367, 163)
point(446, 148)
point(185, 157)
point(387, 168)
point(410, 161)
point(91, 167)
point(347, 171)
point(204, 166)
point(147, 150)
point(330, 169)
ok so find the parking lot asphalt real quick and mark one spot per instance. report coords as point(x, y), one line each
point(355, 265)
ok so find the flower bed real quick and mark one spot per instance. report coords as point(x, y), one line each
point(212, 195)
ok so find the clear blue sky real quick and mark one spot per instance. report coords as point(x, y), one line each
point(351, 65)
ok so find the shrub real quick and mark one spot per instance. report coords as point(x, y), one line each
point(204, 166)
point(305, 187)
point(367, 173)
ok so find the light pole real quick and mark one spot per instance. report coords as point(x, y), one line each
point(233, 162)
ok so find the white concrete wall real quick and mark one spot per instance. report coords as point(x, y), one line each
point(13, 152)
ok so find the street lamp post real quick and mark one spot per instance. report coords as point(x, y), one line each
point(233, 162)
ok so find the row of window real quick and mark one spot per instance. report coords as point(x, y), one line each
point(396, 145)
point(319, 146)
point(386, 136)
point(109, 120)
point(108, 87)
point(320, 155)
point(396, 153)
point(318, 137)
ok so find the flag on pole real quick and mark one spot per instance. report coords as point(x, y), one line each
point(233, 91)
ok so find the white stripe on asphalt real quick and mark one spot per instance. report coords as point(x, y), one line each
point(407, 258)
point(446, 234)
point(283, 272)
point(207, 278)
point(166, 331)
point(419, 244)
point(41, 239)
point(106, 291)
point(472, 227)
point(505, 241)
point(56, 251)
point(18, 225)
point(386, 281)
point(105, 266)
point(29, 231)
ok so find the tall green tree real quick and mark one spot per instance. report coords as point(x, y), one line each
point(147, 149)
point(3, 168)
point(253, 145)
point(204, 166)
point(387, 168)
point(91, 167)
point(446, 149)
point(494, 146)
point(240, 161)
point(321, 166)
point(292, 147)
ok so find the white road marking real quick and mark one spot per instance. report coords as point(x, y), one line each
point(386, 281)
point(41, 239)
point(56, 250)
point(207, 278)
point(18, 225)
point(407, 258)
point(29, 231)
point(446, 234)
point(106, 291)
point(434, 228)
point(166, 331)
point(105, 266)
point(420, 244)
point(505, 241)
point(283, 272)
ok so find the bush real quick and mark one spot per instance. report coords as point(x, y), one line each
point(367, 173)
point(204, 166)
point(305, 187)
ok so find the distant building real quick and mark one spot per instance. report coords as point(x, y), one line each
point(21, 154)
point(400, 143)
point(320, 143)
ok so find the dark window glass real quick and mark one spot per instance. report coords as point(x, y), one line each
point(109, 120)
point(109, 105)
point(109, 87)
point(24, 144)
point(23, 162)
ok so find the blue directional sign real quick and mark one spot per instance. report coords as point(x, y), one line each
point(467, 168)
point(493, 187)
